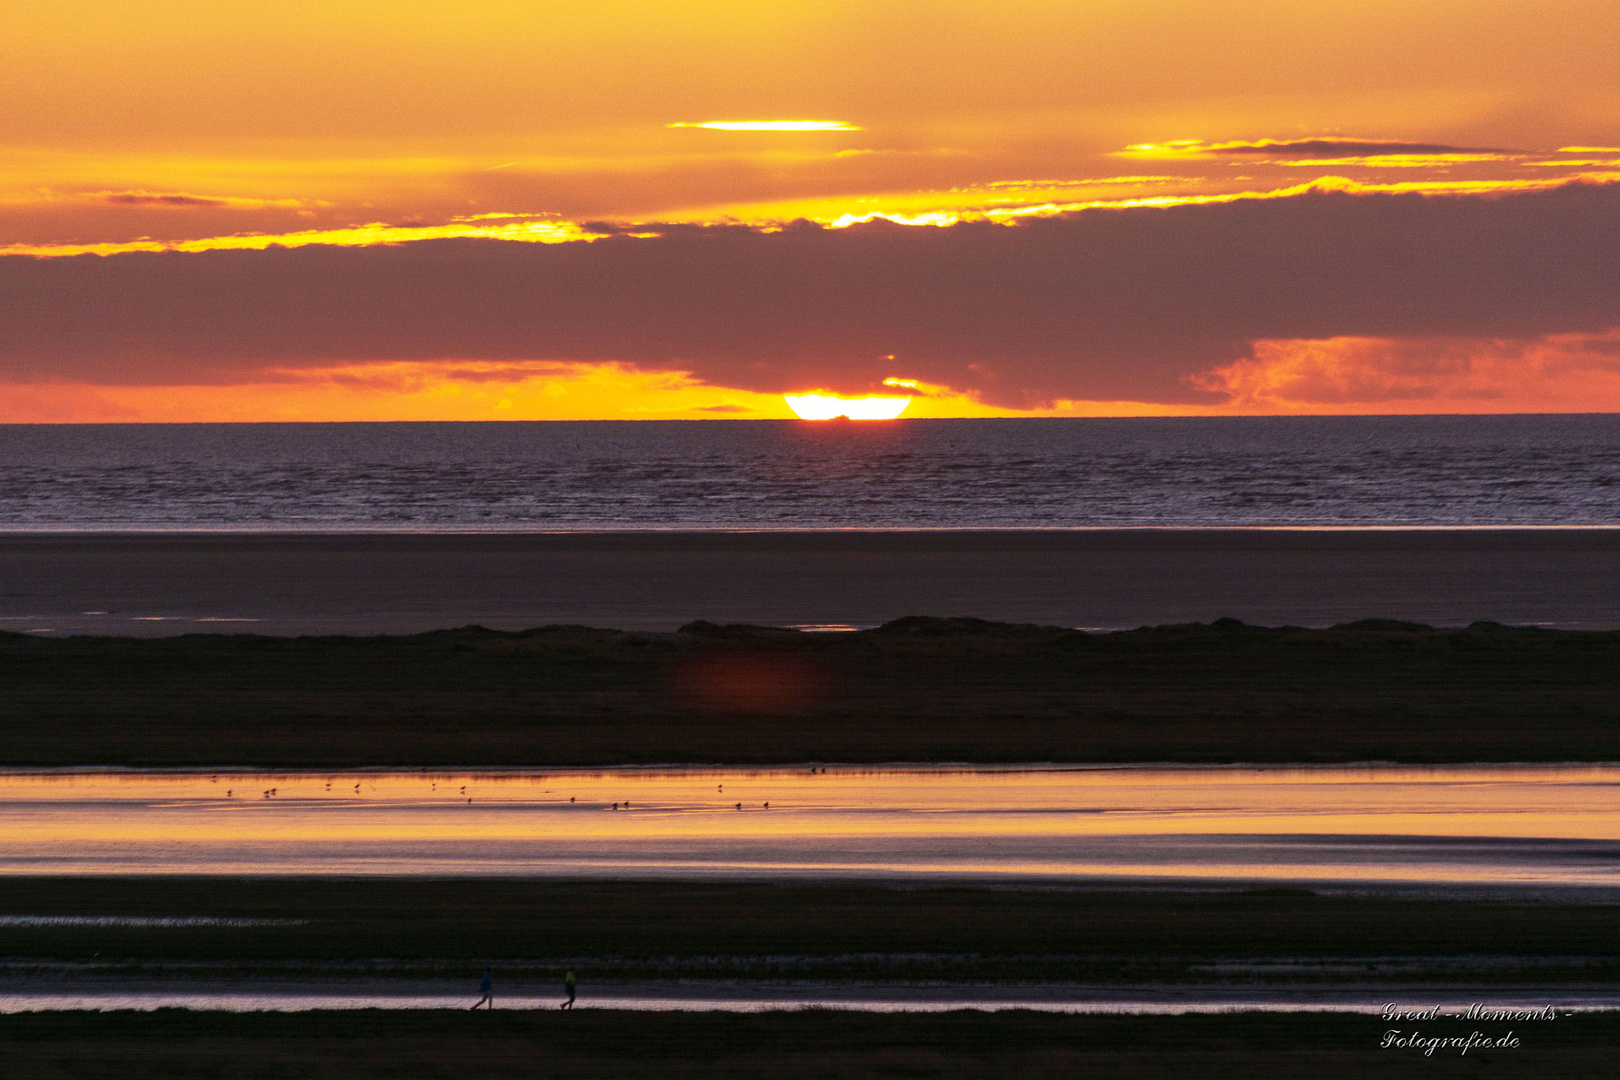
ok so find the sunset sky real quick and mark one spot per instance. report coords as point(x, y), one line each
point(414, 210)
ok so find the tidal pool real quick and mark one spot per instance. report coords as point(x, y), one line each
point(1490, 827)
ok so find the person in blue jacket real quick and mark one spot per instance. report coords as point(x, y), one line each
point(486, 986)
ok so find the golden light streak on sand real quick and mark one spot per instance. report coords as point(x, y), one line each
point(1069, 822)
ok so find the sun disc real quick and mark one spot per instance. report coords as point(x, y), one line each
point(830, 407)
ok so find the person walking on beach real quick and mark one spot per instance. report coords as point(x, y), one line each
point(486, 986)
point(568, 985)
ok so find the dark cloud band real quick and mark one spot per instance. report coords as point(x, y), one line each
point(1312, 148)
point(1102, 304)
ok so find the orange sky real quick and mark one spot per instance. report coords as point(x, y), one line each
point(202, 126)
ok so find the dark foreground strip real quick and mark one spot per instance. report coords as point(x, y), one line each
point(591, 1044)
point(631, 929)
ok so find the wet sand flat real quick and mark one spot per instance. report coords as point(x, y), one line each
point(169, 583)
point(265, 930)
point(1499, 829)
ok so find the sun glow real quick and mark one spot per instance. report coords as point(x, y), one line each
point(830, 407)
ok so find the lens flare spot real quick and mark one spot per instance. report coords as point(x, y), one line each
point(749, 682)
point(831, 407)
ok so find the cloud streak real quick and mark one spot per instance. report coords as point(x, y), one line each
point(1367, 153)
point(186, 200)
point(1138, 304)
point(1334, 147)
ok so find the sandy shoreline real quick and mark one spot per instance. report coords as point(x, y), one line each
point(284, 995)
point(160, 584)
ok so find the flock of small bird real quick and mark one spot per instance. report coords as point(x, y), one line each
point(270, 793)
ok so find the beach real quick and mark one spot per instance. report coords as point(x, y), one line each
point(313, 938)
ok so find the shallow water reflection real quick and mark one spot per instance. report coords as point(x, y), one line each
point(1483, 826)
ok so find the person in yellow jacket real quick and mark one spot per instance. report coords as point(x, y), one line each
point(568, 985)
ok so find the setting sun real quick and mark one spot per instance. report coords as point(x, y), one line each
point(830, 407)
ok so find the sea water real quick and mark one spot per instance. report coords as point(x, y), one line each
point(1450, 471)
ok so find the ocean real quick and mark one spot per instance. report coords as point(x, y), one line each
point(1309, 472)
